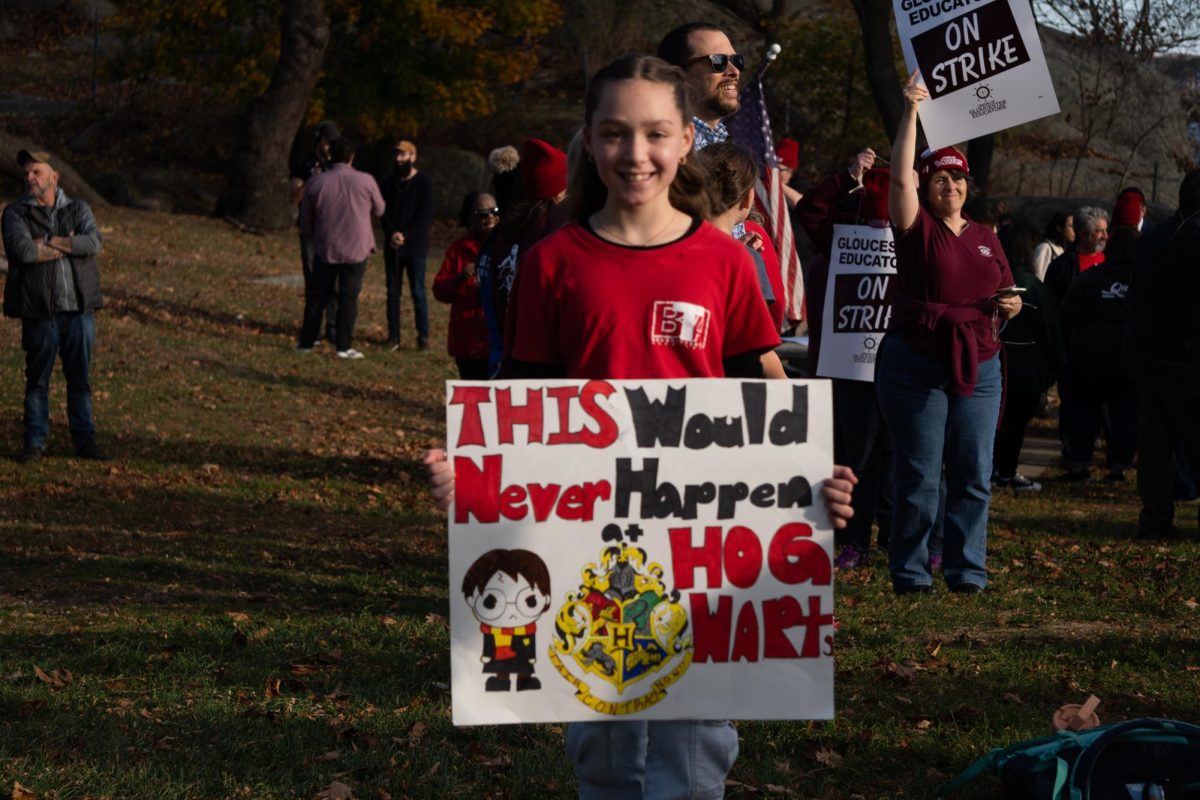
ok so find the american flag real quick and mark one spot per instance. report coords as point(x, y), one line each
point(750, 127)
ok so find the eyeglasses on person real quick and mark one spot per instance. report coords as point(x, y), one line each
point(484, 213)
point(718, 61)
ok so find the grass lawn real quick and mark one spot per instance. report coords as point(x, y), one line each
point(249, 600)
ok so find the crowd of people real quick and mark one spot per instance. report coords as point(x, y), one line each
point(564, 267)
point(975, 340)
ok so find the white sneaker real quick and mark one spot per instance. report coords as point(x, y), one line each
point(302, 349)
point(351, 353)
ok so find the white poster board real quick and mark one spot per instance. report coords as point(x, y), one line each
point(858, 301)
point(640, 549)
point(981, 61)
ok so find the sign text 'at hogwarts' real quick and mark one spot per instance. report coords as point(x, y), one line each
point(640, 549)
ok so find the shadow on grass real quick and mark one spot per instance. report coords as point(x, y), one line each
point(155, 311)
point(185, 546)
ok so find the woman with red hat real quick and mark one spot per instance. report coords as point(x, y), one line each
point(938, 374)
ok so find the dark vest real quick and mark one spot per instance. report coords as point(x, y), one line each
point(29, 290)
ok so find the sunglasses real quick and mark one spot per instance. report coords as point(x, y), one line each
point(718, 61)
point(484, 213)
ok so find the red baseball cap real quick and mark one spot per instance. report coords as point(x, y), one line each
point(947, 158)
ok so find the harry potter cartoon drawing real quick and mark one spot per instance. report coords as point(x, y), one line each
point(507, 591)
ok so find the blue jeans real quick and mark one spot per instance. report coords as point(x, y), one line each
point(71, 336)
point(394, 267)
point(652, 760)
point(930, 428)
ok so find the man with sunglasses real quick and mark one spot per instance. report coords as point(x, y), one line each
point(712, 70)
point(408, 194)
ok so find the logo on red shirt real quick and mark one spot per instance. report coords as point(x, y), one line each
point(679, 323)
point(985, 251)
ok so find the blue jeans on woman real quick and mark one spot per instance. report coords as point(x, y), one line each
point(71, 336)
point(931, 427)
point(652, 760)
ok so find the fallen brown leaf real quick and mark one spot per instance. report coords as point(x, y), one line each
point(828, 757)
point(336, 791)
point(332, 755)
point(237, 616)
point(19, 792)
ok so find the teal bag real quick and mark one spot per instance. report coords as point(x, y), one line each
point(1141, 759)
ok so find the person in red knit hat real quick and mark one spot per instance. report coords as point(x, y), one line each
point(457, 285)
point(788, 152)
point(1130, 208)
point(544, 175)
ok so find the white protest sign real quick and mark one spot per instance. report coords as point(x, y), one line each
point(981, 61)
point(858, 301)
point(640, 549)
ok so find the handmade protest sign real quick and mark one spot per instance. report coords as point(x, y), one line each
point(858, 302)
point(640, 549)
point(981, 61)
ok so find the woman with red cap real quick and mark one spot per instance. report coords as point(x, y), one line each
point(938, 374)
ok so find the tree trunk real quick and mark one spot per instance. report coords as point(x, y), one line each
point(256, 191)
point(874, 17)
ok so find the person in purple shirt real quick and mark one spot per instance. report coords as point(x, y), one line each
point(938, 373)
point(335, 214)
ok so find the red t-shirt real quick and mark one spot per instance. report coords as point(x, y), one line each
point(1089, 260)
point(468, 334)
point(933, 266)
point(771, 259)
point(671, 311)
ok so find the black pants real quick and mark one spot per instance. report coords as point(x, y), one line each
point(1097, 386)
point(472, 369)
point(308, 266)
point(1020, 406)
point(343, 281)
point(1169, 402)
point(860, 441)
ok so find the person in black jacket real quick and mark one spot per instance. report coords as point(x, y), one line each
point(408, 195)
point(1034, 354)
point(53, 287)
point(1093, 315)
point(1162, 350)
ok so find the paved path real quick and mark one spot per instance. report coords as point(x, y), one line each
point(1038, 453)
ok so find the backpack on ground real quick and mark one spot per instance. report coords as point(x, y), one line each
point(1142, 759)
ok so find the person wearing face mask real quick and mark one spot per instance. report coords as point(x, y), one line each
point(408, 194)
point(456, 284)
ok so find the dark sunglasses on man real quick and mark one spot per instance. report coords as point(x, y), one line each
point(484, 213)
point(718, 61)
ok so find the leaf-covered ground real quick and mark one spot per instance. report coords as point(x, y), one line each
point(249, 600)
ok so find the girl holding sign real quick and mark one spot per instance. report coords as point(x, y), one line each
point(639, 286)
point(938, 374)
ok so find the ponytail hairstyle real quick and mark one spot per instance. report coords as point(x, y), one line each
point(731, 174)
point(586, 192)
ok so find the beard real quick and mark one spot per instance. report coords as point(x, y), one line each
point(404, 169)
point(720, 105)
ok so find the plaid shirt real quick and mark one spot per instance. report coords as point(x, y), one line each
point(706, 135)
